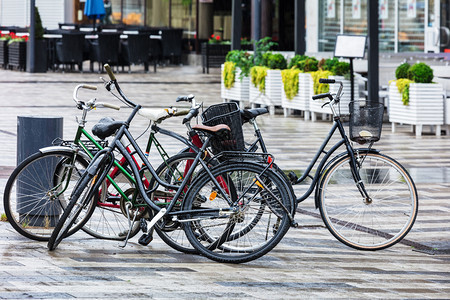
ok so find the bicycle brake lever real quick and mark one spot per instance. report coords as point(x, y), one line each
point(326, 104)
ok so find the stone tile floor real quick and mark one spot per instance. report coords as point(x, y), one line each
point(308, 263)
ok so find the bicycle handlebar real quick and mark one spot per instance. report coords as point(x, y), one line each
point(187, 98)
point(320, 96)
point(193, 112)
point(110, 72)
point(107, 105)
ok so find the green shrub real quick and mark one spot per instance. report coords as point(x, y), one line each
point(258, 77)
point(262, 46)
point(341, 69)
point(242, 59)
point(229, 74)
point(296, 60)
point(311, 64)
point(420, 73)
point(328, 64)
point(402, 71)
point(403, 88)
point(274, 61)
point(320, 88)
point(290, 82)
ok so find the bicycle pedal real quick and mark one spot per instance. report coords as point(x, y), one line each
point(292, 177)
point(145, 239)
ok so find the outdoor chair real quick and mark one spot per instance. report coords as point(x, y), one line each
point(155, 52)
point(69, 51)
point(105, 50)
point(135, 51)
point(171, 44)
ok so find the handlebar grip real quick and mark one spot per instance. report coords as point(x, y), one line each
point(110, 72)
point(187, 98)
point(320, 96)
point(89, 87)
point(192, 114)
point(326, 80)
point(112, 106)
point(181, 113)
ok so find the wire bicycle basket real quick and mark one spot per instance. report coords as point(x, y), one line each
point(229, 114)
point(366, 121)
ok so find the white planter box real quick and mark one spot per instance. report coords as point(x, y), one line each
point(238, 92)
point(426, 106)
point(301, 100)
point(315, 106)
point(272, 96)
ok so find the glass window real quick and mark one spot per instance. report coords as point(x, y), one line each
point(133, 12)
point(386, 25)
point(329, 26)
point(411, 25)
point(355, 17)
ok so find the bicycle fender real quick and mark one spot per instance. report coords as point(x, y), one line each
point(332, 161)
point(64, 149)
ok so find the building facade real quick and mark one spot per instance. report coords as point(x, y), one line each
point(404, 25)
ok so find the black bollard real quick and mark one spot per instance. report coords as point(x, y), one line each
point(33, 133)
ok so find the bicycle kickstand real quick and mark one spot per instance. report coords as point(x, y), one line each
point(130, 224)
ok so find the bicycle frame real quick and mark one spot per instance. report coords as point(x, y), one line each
point(116, 143)
point(80, 143)
point(337, 126)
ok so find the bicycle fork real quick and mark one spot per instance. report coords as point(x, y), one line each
point(355, 165)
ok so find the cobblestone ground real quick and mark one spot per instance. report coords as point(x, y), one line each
point(308, 263)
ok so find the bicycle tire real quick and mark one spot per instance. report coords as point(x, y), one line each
point(368, 225)
point(83, 197)
point(171, 171)
point(228, 239)
point(109, 221)
point(31, 201)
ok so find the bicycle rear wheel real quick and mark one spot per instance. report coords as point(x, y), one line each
point(173, 171)
point(243, 230)
point(368, 224)
point(38, 191)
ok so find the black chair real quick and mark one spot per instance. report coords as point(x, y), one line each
point(105, 49)
point(135, 51)
point(155, 52)
point(171, 44)
point(69, 51)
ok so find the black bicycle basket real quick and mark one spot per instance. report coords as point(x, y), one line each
point(366, 121)
point(229, 114)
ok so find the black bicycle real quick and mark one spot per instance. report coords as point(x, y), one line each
point(234, 212)
point(367, 200)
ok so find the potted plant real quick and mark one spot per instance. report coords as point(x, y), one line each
point(4, 39)
point(214, 52)
point(17, 51)
point(235, 76)
point(335, 69)
point(266, 84)
point(414, 99)
point(297, 84)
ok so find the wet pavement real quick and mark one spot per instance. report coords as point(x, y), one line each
point(308, 263)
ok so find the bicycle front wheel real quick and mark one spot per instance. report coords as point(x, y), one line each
point(248, 227)
point(38, 191)
point(368, 224)
point(81, 205)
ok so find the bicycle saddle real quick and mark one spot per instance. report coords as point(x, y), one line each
point(106, 127)
point(220, 130)
point(248, 114)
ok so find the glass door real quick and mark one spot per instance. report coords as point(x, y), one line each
point(444, 30)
